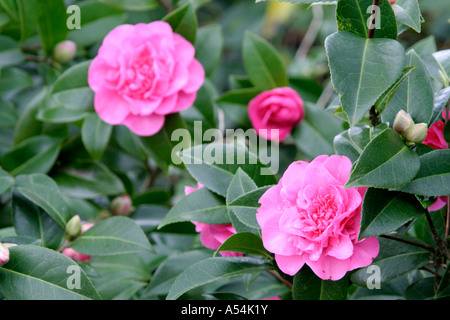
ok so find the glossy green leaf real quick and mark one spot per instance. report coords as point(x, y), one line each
point(355, 16)
point(263, 63)
point(408, 13)
point(362, 69)
point(208, 47)
point(88, 180)
point(43, 274)
point(95, 134)
point(10, 53)
point(6, 181)
point(138, 5)
point(73, 78)
point(43, 191)
point(433, 178)
point(34, 155)
point(308, 286)
point(245, 242)
point(116, 235)
point(51, 23)
point(214, 269)
point(386, 162)
point(395, 259)
point(60, 114)
point(384, 211)
point(30, 221)
point(315, 135)
point(443, 59)
point(200, 206)
point(184, 22)
point(440, 101)
point(14, 79)
point(415, 95)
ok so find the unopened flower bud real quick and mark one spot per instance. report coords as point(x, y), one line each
point(402, 122)
point(122, 206)
point(65, 51)
point(73, 228)
point(416, 133)
point(392, 1)
point(4, 254)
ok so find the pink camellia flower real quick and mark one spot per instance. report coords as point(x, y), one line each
point(213, 235)
point(142, 73)
point(69, 252)
point(277, 109)
point(435, 139)
point(309, 217)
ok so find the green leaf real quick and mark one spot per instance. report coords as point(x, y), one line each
point(408, 13)
point(325, 2)
point(184, 22)
point(308, 286)
point(25, 14)
point(160, 146)
point(344, 146)
point(415, 95)
point(395, 259)
point(51, 23)
point(362, 69)
point(263, 63)
point(60, 114)
point(315, 134)
point(30, 221)
point(208, 47)
point(128, 141)
point(73, 78)
point(433, 178)
point(214, 269)
point(168, 271)
point(214, 165)
point(132, 5)
point(43, 274)
point(43, 191)
point(88, 180)
point(443, 59)
point(6, 181)
point(37, 154)
point(200, 206)
point(386, 162)
point(10, 53)
point(95, 135)
point(245, 242)
point(354, 16)
point(205, 103)
point(116, 235)
point(440, 101)
point(384, 211)
point(14, 79)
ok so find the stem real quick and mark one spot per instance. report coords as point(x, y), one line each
point(166, 6)
point(373, 115)
point(417, 244)
point(34, 58)
point(441, 244)
point(280, 278)
point(371, 33)
point(431, 271)
point(447, 219)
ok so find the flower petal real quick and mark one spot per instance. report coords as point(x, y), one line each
point(145, 126)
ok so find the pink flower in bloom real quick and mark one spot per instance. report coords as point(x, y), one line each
point(435, 139)
point(309, 217)
point(69, 252)
point(142, 73)
point(277, 109)
point(213, 235)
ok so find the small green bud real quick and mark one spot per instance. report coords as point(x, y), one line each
point(65, 51)
point(73, 228)
point(416, 133)
point(122, 206)
point(402, 122)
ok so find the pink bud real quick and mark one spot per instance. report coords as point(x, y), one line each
point(122, 206)
point(392, 1)
point(4, 254)
point(65, 51)
point(69, 252)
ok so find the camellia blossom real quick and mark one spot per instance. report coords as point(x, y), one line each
point(435, 139)
point(213, 235)
point(277, 109)
point(142, 73)
point(309, 217)
point(69, 252)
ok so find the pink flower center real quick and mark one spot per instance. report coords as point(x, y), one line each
point(316, 218)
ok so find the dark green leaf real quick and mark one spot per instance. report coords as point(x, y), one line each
point(308, 286)
point(214, 269)
point(245, 242)
point(10, 53)
point(386, 162)
point(263, 63)
point(43, 274)
point(95, 135)
point(208, 47)
point(433, 178)
point(116, 235)
point(384, 211)
point(184, 21)
point(51, 23)
point(408, 13)
point(138, 5)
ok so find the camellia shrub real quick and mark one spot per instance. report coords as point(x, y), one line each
point(224, 150)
